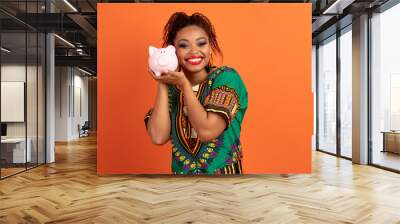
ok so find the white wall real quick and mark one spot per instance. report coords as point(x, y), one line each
point(62, 78)
point(71, 93)
point(34, 125)
point(16, 73)
point(12, 73)
point(80, 84)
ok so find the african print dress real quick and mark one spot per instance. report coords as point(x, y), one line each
point(223, 92)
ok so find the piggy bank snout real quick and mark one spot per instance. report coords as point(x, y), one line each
point(164, 60)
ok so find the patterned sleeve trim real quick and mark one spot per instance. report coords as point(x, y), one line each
point(223, 100)
point(147, 116)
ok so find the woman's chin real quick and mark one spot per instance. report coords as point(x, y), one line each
point(194, 68)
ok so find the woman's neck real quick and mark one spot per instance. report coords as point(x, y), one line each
point(197, 77)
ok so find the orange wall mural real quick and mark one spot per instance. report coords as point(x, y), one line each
point(268, 44)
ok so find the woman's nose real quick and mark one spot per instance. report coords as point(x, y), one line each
point(194, 49)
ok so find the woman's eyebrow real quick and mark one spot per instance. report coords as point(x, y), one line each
point(183, 39)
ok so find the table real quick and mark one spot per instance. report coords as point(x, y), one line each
point(13, 150)
point(391, 141)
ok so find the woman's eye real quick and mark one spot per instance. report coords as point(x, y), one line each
point(182, 45)
point(202, 43)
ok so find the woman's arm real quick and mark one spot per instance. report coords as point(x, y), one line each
point(159, 124)
point(208, 125)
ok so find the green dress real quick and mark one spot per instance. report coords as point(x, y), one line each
point(223, 92)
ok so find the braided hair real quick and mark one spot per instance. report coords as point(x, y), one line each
point(179, 20)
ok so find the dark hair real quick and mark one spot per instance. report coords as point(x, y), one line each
point(179, 20)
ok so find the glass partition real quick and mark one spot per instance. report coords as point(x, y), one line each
point(385, 89)
point(327, 95)
point(346, 93)
point(22, 77)
point(14, 153)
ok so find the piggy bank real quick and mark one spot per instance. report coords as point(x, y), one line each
point(162, 60)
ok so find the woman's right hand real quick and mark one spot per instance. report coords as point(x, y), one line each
point(157, 78)
point(151, 73)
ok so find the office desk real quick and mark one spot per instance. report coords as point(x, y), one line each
point(391, 141)
point(13, 150)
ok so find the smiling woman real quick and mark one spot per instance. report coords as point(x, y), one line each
point(199, 107)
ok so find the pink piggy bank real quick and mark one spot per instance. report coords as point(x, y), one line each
point(162, 60)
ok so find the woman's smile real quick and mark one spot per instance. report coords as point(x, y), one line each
point(193, 50)
point(194, 59)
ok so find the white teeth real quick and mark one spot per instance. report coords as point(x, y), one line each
point(194, 59)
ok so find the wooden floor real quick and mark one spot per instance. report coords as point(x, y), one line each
point(5, 172)
point(387, 159)
point(69, 191)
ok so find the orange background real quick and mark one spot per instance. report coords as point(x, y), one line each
point(268, 44)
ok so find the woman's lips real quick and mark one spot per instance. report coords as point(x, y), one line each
point(194, 60)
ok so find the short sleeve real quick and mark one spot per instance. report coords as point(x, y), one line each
point(227, 96)
point(147, 116)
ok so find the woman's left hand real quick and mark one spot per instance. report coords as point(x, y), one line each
point(177, 78)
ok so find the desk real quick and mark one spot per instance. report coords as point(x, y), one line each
point(391, 141)
point(15, 148)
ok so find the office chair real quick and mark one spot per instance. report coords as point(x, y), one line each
point(84, 130)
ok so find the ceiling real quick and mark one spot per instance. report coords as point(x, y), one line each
point(76, 22)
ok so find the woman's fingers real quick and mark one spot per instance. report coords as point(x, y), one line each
point(157, 78)
point(162, 77)
point(171, 77)
point(168, 79)
point(152, 73)
point(168, 75)
point(173, 74)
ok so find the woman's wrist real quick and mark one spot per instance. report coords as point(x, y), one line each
point(162, 85)
point(185, 86)
point(162, 89)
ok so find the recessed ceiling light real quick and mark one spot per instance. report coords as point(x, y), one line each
point(5, 50)
point(337, 7)
point(84, 71)
point(65, 41)
point(70, 5)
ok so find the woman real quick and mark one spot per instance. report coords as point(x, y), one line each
point(199, 107)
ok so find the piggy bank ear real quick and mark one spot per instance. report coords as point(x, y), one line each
point(171, 48)
point(152, 50)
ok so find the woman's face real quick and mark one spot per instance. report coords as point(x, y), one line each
point(192, 48)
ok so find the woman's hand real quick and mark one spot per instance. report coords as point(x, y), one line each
point(152, 73)
point(156, 78)
point(176, 78)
